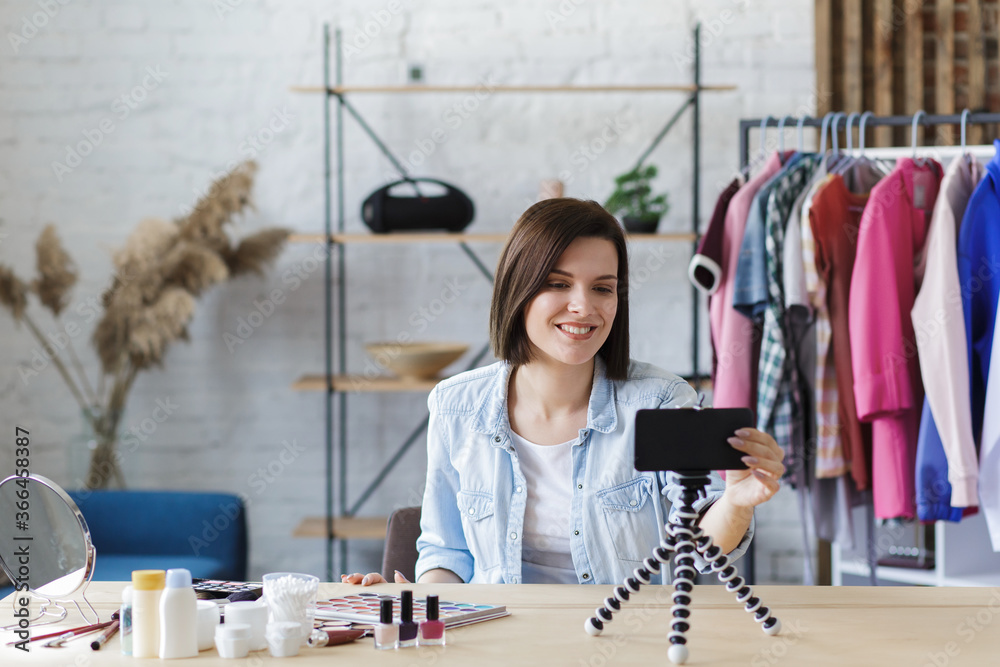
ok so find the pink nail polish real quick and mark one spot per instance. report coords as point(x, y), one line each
point(432, 630)
point(387, 632)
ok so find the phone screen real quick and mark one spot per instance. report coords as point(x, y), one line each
point(687, 439)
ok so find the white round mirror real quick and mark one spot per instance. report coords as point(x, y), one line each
point(44, 539)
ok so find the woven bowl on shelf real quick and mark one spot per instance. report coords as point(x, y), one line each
point(416, 361)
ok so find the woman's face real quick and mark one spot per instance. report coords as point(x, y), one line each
point(571, 316)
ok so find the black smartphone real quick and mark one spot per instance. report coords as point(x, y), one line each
point(688, 439)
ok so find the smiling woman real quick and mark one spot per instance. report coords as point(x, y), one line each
point(529, 462)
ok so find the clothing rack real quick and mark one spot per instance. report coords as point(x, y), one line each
point(854, 120)
point(748, 124)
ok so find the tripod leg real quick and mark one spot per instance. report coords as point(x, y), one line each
point(728, 575)
point(684, 574)
point(641, 575)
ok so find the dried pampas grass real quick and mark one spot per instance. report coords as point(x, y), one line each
point(256, 252)
point(150, 302)
point(56, 271)
point(194, 268)
point(13, 292)
point(150, 240)
point(226, 198)
point(156, 326)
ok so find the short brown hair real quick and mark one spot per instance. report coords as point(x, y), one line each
point(538, 239)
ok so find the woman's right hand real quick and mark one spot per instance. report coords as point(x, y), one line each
point(371, 578)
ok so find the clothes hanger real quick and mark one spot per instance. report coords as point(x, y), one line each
point(801, 138)
point(761, 154)
point(834, 158)
point(763, 136)
point(913, 137)
point(844, 164)
point(880, 166)
point(824, 129)
point(965, 119)
point(781, 134)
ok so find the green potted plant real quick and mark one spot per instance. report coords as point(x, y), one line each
point(632, 202)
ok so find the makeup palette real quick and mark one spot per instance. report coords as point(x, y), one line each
point(364, 608)
point(218, 589)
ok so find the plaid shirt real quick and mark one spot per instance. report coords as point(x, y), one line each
point(776, 405)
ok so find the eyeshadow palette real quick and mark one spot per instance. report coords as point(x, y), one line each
point(218, 589)
point(364, 608)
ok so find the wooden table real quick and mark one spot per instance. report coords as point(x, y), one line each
point(858, 626)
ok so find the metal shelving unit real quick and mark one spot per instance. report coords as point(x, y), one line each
point(342, 524)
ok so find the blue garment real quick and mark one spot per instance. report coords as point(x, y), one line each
point(978, 266)
point(474, 500)
point(933, 487)
point(750, 292)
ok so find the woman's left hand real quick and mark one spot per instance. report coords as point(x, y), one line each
point(749, 488)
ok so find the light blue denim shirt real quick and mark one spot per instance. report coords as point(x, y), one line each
point(474, 501)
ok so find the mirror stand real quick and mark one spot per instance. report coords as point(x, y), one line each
point(53, 611)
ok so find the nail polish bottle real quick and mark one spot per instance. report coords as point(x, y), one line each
point(407, 628)
point(432, 630)
point(387, 632)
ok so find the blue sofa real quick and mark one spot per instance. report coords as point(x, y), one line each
point(140, 530)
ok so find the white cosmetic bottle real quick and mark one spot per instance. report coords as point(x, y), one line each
point(178, 617)
point(147, 586)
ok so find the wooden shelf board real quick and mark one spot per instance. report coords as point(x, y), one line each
point(682, 88)
point(434, 237)
point(355, 383)
point(344, 527)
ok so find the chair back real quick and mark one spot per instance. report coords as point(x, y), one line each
point(168, 526)
point(401, 535)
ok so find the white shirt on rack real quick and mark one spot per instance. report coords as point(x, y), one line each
point(545, 548)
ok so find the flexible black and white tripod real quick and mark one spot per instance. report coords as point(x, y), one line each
point(684, 536)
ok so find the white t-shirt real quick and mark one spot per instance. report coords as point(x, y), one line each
point(545, 548)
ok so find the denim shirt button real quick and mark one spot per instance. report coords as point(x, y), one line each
point(633, 503)
point(472, 510)
point(576, 532)
point(586, 576)
point(579, 486)
point(497, 438)
point(519, 489)
point(513, 536)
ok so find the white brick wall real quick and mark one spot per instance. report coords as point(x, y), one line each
point(227, 73)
